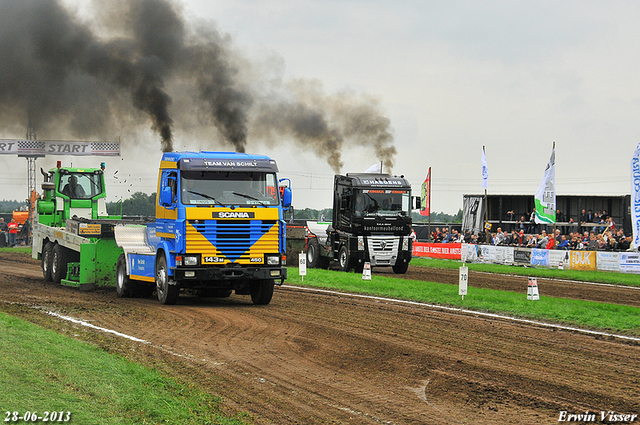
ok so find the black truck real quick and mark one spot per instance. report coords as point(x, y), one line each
point(371, 223)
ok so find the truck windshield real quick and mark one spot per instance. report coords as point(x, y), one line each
point(80, 185)
point(382, 202)
point(228, 188)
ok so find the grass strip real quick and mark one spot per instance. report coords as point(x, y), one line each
point(613, 278)
point(21, 249)
point(587, 314)
point(42, 371)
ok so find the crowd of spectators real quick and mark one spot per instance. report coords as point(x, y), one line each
point(601, 236)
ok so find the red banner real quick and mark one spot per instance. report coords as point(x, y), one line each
point(450, 251)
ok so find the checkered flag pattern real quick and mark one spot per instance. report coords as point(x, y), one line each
point(105, 148)
point(31, 146)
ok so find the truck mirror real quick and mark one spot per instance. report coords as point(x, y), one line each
point(418, 202)
point(166, 197)
point(286, 198)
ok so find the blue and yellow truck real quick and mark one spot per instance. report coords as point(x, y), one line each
point(218, 228)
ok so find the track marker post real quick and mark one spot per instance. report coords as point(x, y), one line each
point(366, 271)
point(302, 265)
point(532, 289)
point(463, 275)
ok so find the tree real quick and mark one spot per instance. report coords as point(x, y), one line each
point(139, 204)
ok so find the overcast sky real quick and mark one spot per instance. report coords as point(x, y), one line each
point(513, 76)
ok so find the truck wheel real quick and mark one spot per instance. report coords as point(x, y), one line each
point(343, 259)
point(167, 294)
point(400, 268)
point(59, 261)
point(47, 252)
point(124, 286)
point(313, 253)
point(262, 291)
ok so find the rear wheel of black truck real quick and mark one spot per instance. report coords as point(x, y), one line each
point(313, 253)
point(262, 291)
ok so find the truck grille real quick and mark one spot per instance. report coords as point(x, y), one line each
point(383, 250)
point(237, 240)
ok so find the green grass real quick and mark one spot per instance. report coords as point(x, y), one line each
point(25, 249)
point(601, 316)
point(581, 275)
point(44, 371)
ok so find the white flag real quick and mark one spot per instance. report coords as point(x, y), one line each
point(485, 170)
point(635, 196)
point(545, 200)
point(375, 168)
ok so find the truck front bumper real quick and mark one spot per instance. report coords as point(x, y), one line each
point(229, 273)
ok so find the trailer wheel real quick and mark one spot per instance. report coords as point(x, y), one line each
point(59, 261)
point(343, 259)
point(124, 286)
point(401, 268)
point(47, 252)
point(262, 291)
point(167, 294)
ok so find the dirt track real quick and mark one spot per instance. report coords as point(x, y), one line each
point(310, 358)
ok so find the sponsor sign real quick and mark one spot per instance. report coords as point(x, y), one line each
point(463, 281)
point(449, 251)
point(522, 256)
point(302, 264)
point(582, 260)
point(608, 261)
point(630, 262)
point(539, 257)
point(557, 257)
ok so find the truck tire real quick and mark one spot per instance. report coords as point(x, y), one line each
point(343, 259)
point(59, 260)
point(167, 294)
point(401, 268)
point(262, 291)
point(124, 286)
point(47, 260)
point(313, 253)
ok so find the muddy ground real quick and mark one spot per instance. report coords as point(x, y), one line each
point(315, 358)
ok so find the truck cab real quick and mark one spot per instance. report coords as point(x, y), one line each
point(371, 223)
point(69, 192)
point(219, 227)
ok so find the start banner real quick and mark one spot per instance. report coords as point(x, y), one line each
point(56, 147)
point(449, 251)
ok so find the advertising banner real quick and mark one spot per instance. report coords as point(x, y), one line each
point(545, 198)
point(449, 251)
point(608, 261)
point(635, 196)
point(472, 214)
point(425, 197)
point(539, 257)
point(522, 256)
point(630, 262)
point(557, 257)
point(582, 260)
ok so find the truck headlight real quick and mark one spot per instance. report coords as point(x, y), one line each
point(360, 243)
point(190, 260)
point(405, 244)
point(273, 260)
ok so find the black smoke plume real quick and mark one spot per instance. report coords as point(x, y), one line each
point(131, 61)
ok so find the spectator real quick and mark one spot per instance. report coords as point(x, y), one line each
point(413, 235)
point(519, 239)
point(532, 242)
point(543, 240)
point(521, 224)
point(3, 232)
point(564, 243)
point(467, 236)
point(559, 216)
point(13, 231)
point(625, 244)
point(500, 237)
